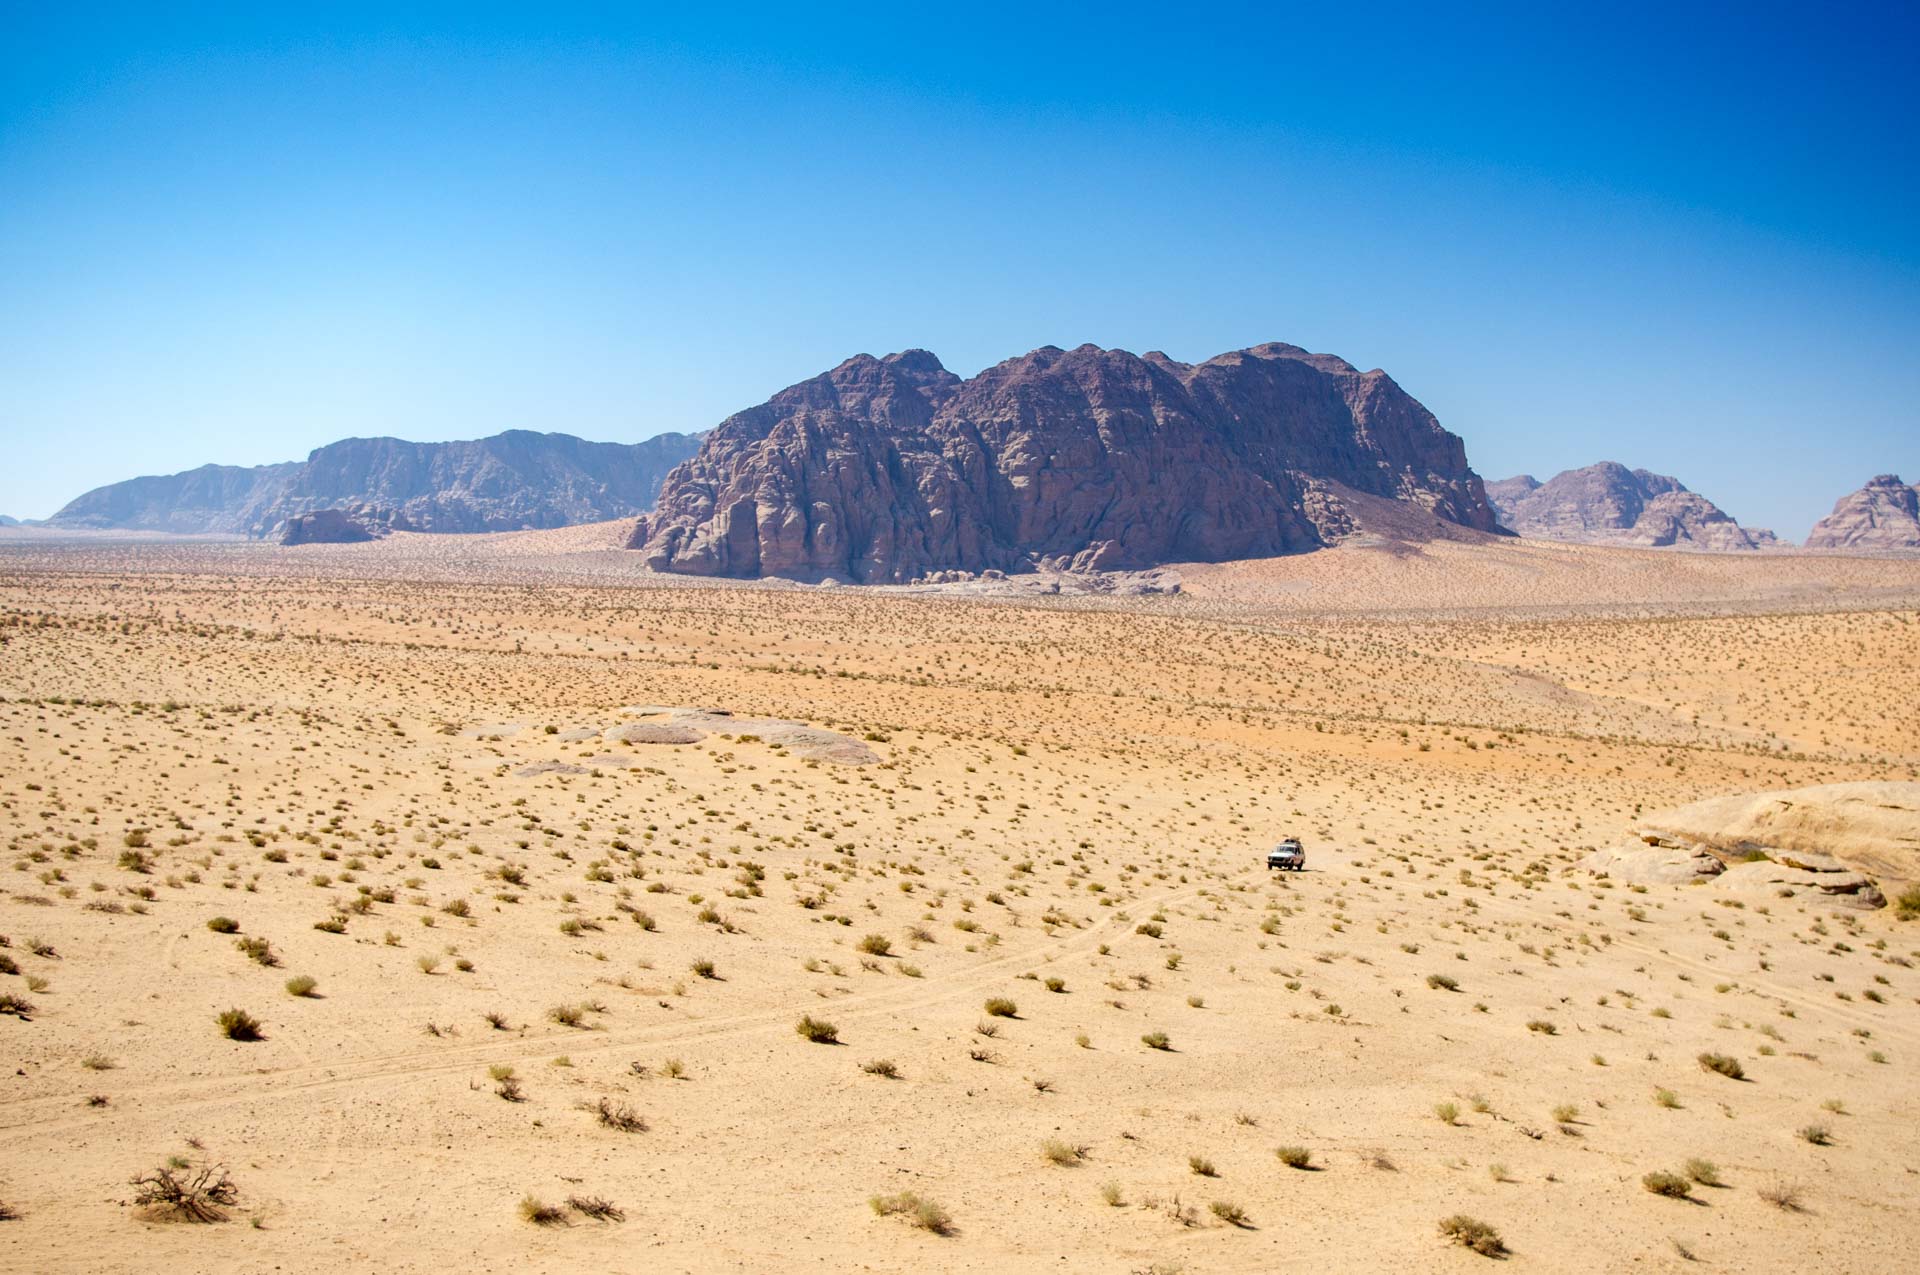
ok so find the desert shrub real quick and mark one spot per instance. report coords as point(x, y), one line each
point(1666, 1098)
point(1448, 1112)
point(506, 1083)
point(1201, 1166)
point(705, 968)
point(1001, 1007)
point(258, 951)
point(917, 1210)
point(1673, 1185)
point(1230, 1213)
point(817, 1030)
point(332, 925)
point(17, 1005)
point(224, 925)
point(302, 985)
point(1818, 1134)
point(568, 1015)
point(238, 1024)
point(1156, 1040)
point(1062, 1153)
point(876, 945)
point(1110, 1194)
point(1785, 1196)
point(596, 1208)
point(533, 1210)
point(1056, 984)
point(1295, 1157)
point(1705, 1172)
point(1724, 1064)
point(1907, 904)
point(619, 1116)
point(1542, 1026)
point(881, 1067)
point(179, 1191)
point(1474, 1234)
point(1443, 982)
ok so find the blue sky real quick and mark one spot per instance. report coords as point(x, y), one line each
point(1680, 237)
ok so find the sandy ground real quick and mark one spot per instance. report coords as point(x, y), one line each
point(406, 743)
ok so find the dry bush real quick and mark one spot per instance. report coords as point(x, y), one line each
point(1672, 1185)
point(1783, 1195)
point(1062, 1153)
point(593, 1206)
point(238, 1024)
point(1724, 1064)
point(619, 1116)
point(178, 1192)
point(918, 1211)
point(534, 1210)
point(1474, 1234)
point(817, 1030)
point(1230, 1213)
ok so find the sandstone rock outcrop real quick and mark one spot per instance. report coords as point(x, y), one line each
point(510, 481)
point(1884, 514)
point(1870, 826)
point(324, 527)
point(886, 470)
point(1610, 504)
point(1653, 862)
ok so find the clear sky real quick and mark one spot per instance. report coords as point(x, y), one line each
point(1686, 238)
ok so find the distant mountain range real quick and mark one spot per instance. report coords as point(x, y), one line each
point(1608, 503)
point(895, 469)
point(510, 481)
point(889, 469)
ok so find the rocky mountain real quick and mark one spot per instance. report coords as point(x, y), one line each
point(503, 483)
point(889, 469)
point(1885, 514)
point(1611, 504)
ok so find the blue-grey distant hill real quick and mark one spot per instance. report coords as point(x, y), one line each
point(519, 479)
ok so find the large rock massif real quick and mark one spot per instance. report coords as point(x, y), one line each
point(886, 470)
point(1885, 514)
point(1611, 504)
point(507, 482)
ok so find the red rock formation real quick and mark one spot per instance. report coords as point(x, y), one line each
point(883, 470)
point(1885, 514)
point(1611, 504)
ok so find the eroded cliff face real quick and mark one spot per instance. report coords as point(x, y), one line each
point(1884, 514)
point(1608, 503)
point(883, 470)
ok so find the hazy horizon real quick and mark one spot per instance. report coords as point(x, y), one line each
point(1675, 239)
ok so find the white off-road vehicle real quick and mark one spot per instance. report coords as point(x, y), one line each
point(1287, 855)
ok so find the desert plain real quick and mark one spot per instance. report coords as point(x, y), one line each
point(580, 919)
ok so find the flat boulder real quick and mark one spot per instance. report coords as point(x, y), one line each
point(1769, 879)
point(1638, 863)
point(653, 733)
